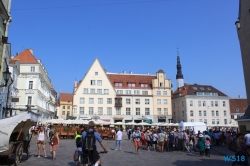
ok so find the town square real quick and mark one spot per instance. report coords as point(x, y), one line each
point(134, 82)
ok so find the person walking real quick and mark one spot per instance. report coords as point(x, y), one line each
point(128, 133)
point(171, 141)
point(191, 143)
point(161, 140)
point(154, 139)
point(119, 140)
point(201, 145)
point(149, 140)
point(40, 140)
point(137, 138)
point(207, 147)
point(54, 144)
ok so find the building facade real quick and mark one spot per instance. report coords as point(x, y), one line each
point(122, 97)
point(200, 103)
point(65, 105)
point(34, 86)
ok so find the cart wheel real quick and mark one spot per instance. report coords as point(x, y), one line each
point(28, 152)
point(19, 153)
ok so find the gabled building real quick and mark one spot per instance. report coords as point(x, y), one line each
point(200, 103)
point(238, 107)
point(34, 86)
point(122, 97)
point(65, 105)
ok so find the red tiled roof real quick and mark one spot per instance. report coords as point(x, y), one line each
point(13, 61)
point(238, 105)
point(26, 57)
point(130, 78)
point(66, 97)
point(192, 89)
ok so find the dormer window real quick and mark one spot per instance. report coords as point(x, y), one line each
point(131, 84)
point(201, 88)
point(118, 84)
point(144, 85)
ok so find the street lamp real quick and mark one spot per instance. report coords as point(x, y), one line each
point(6, 76)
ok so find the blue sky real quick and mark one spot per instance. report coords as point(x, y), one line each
point(132, 35)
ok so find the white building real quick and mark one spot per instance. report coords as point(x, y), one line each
point(34, 86)
point(200, 103)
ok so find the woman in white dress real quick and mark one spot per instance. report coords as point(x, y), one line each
point(40, 140)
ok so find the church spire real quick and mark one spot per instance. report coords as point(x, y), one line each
point(179, 75)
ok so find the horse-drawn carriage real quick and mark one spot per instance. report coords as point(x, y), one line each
point(15, 135)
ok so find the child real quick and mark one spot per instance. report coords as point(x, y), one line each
point(207, 147)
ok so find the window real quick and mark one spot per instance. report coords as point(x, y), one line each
point(174, 105)
point(146, 101)
point(118, 111)
point(182, 113)
point(225, 121)
point(192, 120)
point(63, 113)
point(118, 84)
point(204, 113)
point(191, 113)
point(85, 91)
point(136, 92)
point(29, 100)
point(96, 73)
point(218, 121)
point(217, 113)
point(159, 111)
point(91, 100)
point(174, 114)
point(30, 84)
point(191, 103)
point(216, 103)
point(158, 101)
point(205, 121)
point(200, 120)
point(199, 103)
point(212, 103)
point(81, 110)
point(165, 93)
point(63, 107)
point(109, 100)
point(224, 104)
point(99, 91)
point(204, 103)
point(225, 113)
point(212, 113)
point(100, 111)
point(106, 91)
point(32, 69)
point(99, 82)
point(165, 101)
point(92, 82)
point(182, 103)
point(165, 111)
point(137, 101)
point(119, 91)
point(81, 100)
point(127, 101)
point(92, 91)
point(200, 114)
point(127, 111)
point(74, 110)
point(100, 100)
point(144, 85)
point(128, 92)
point(158, 93)
point(131, 84)
point(137, 111)
point(91, 110)
point(201, 88)
point(161, 84)
point(145, 92)
point(147, 111)
point(109, 111)
point(213, 121)
point(68, 107)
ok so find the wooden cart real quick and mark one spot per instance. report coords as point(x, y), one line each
point(15, 136)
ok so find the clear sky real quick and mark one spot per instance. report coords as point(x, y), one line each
point(132, 35)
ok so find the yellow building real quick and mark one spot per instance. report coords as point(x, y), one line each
point(65, 102)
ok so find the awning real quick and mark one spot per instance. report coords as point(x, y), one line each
point(118, 117)
point(106, 120)
point(148, 121)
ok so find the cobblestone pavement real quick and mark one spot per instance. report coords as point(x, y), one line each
point(126, 157)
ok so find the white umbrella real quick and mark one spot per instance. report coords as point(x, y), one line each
point(144, 124)
point(131, 123)
point(119, 123)
point(99, 121)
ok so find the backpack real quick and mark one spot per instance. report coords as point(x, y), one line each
point(89, 141)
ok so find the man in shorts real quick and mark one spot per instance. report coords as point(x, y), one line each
point(137, 138)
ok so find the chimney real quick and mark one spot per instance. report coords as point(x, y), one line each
point(75, 84)
point(148, 73)
point(124, 71)
point(31, 50)
point(130, 72)
point(239, 96)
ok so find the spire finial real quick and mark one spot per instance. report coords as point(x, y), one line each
point(177, 51)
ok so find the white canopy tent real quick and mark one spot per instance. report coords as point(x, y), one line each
point(131, 123)
point(100, 122)
point(196, 126)
point(143, 124)
point(119, 123)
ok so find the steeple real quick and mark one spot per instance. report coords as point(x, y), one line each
point(179, 75)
